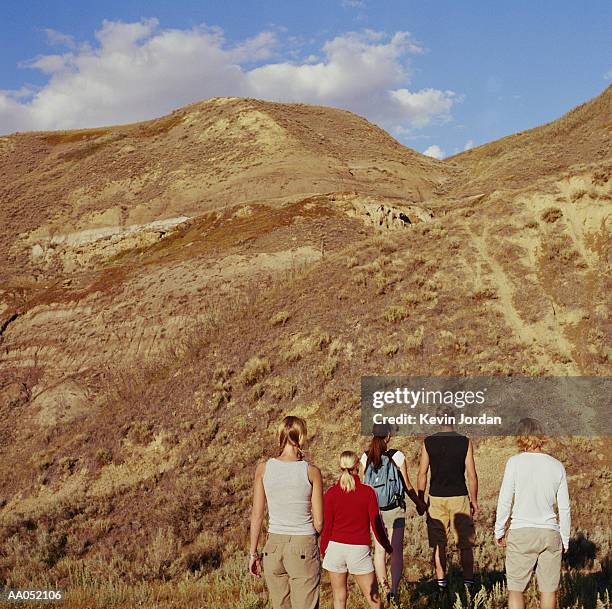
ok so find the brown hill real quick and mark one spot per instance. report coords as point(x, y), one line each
point(119, 233)
point(582, 136)
point(164, 305)
point(199, 158)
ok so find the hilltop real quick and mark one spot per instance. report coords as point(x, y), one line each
point(202, 157)
point(583, 136)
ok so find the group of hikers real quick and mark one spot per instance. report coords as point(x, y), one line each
point(306, 524)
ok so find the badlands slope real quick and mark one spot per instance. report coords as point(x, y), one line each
point(170, 288)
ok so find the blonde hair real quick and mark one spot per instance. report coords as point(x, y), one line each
point(348, 460)
point(293, 431)
point(530, 435)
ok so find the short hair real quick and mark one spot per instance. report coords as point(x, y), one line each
point(530, 435)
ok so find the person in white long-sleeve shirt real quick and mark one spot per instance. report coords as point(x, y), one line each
point(535, 481)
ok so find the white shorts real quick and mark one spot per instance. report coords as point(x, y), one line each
point(343, 557)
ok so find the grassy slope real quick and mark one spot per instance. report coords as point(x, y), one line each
point(502, 285)
point(164, 433)
point(583, 135)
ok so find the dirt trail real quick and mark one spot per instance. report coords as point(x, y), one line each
point(537, 337)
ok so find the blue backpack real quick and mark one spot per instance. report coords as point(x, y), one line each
point(386, 481)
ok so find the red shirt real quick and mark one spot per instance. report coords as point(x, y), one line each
point(347, 517)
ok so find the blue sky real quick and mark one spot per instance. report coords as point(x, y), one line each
point(438, 75)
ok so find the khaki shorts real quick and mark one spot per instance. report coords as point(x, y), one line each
point(446, 514)
point(394, 519)
point(343, 557)
point(292, 570)
point(531, 547)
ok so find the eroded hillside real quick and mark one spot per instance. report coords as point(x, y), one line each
point(172, 288)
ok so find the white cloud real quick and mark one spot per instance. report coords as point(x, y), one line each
point(138, 70)
point(469, 144)
point(353, 3)
point(58, 38)
point(608, 75)
point(434, 151)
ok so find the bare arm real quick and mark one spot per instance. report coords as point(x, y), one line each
point(419, 502)
point(423, 469)
point(257, 516)
point(328, 520)
point(377, 524)
point(472, 477)
point(405, 476)
point(314, 475)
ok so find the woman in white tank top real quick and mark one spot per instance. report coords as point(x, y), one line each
point(293, 492)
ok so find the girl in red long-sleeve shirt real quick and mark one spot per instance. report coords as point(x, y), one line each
point(350, 508)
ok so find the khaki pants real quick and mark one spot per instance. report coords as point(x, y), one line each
point(292, 570)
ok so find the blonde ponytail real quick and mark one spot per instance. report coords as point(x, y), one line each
point(348, 460)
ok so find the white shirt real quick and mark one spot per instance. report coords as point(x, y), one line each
point(536, 481)
point(398, 458)
point(288, 494)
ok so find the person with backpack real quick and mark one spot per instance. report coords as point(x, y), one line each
point(533, 482)
point(293, 492)
point(385, 471)
point(350, 511)
point(451, 507)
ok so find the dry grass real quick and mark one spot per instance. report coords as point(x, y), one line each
point(329, 367)
point(255, 369)
point(389, 349)
point(396, 313)
point(160, 126)
point(78, 135)
point(551, 215)
point(230, 585)
point(280, 318)
point(303, 344)
point(414, 342)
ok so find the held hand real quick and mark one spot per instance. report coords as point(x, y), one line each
point(418, 500)
point(501, 541)
point(255, 566)
point(474, 508)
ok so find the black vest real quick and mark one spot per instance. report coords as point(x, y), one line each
point(447, 451)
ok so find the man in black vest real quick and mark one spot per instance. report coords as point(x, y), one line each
point(450, 456)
